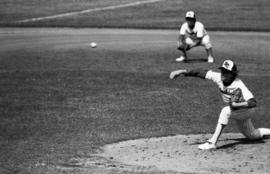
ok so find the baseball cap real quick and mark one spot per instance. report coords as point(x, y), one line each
point(190, 14)
point(229, 66)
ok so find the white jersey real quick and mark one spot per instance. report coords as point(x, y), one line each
point(197, 32)
point(227, 91)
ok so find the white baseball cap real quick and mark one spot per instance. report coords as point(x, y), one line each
point(229, 65)
point(190, 14)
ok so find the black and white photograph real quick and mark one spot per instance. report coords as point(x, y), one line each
point(134, 87)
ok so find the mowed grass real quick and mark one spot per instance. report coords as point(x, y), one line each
point(61, 99)
point(169, 14)
point(14, 10)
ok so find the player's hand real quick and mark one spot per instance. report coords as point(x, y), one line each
point(176, 73)
point(183, 46)
point(233, 105)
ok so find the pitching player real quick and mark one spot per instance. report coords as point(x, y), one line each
point(192, 33)
point(239, 101)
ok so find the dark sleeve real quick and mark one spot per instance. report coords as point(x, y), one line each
point(251, 103)
point(201, 73)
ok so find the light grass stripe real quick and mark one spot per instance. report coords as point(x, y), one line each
point(88, 11)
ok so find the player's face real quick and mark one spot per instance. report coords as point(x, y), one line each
point(191, 22)
point(227, 77)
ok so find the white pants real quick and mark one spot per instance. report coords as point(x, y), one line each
point(206, 43)
point(243, 120)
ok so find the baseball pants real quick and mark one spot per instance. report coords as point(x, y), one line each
point(206, 43)
point(243, 121)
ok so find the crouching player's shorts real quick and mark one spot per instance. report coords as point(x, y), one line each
point(205, 42)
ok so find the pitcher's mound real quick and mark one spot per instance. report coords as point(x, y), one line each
point(234, 154)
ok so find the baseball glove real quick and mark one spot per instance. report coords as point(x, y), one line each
point(237, 96)
point(183, 46)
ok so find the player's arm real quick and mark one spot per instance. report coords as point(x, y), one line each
point(199, 34)
point(181, 41)
point(195, 73)
point(251, 103)
point(181, 36)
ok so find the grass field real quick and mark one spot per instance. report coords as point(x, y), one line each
point(216, 15)
point(61, 99)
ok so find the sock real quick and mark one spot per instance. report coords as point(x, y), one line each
point(264, 131)
point(217, 133)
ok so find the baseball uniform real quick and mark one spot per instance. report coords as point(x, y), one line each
point(242, 116)
point(191, 35)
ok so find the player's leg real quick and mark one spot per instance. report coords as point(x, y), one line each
point(208, 47)
point(247, 129)
point(222, 122)
point(264, 131)
point(182, 57)
point(210, 57)
point(184, 48)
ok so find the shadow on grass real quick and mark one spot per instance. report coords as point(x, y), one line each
point(195, 60)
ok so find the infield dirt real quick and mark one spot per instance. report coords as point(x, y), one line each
point(234, 154)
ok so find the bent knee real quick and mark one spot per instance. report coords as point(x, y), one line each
point(206, 42)
point(208, 46)
point(224, 115)
point(254, 135)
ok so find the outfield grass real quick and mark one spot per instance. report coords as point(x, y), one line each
point(61, 99)
point(14, 10)
point(216, 15)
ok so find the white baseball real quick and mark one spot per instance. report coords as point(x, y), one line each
point(93, 44)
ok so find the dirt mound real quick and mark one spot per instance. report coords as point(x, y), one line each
point(234, 154)
point(178, 154)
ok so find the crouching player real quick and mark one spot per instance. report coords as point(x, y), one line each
point(192, 34)
point(239, 102)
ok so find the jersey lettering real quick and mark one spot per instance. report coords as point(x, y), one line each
point(228, 91)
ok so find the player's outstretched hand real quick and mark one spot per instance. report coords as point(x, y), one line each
point(176, 73)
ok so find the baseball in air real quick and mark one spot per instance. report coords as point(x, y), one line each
point(93, 44)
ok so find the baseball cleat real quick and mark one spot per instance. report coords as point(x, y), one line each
point(207, 146)
point(180, 59)
point(210, 59)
